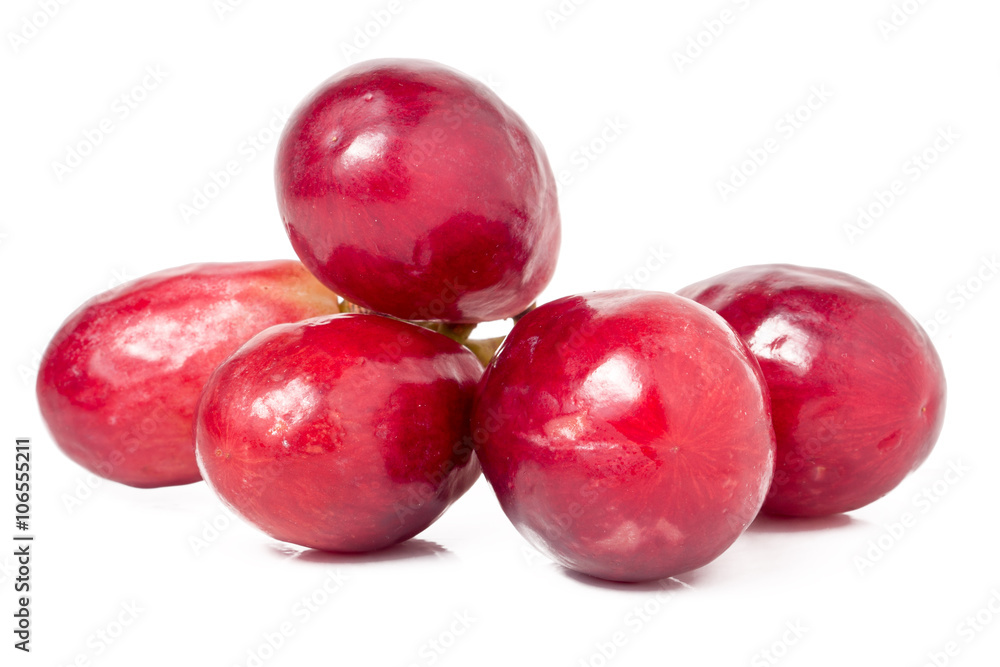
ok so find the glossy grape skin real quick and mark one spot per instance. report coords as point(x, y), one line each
point(413, 190)
point(120, 380)
point(627, 434)
point(345, 433)
point(857, 388)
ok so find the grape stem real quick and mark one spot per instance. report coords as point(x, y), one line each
point(483, 348)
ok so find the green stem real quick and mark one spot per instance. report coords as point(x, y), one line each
point(349, 307)
point(485, 348)
point(457, 332)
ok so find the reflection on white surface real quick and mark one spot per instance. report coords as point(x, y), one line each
point(778, 339)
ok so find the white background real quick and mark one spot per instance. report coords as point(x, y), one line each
point(676, 131)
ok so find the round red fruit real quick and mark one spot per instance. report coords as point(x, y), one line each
point(857, 389)
point(627, 434)
point(413, 190)
point(346, 433)
point(120, 381)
